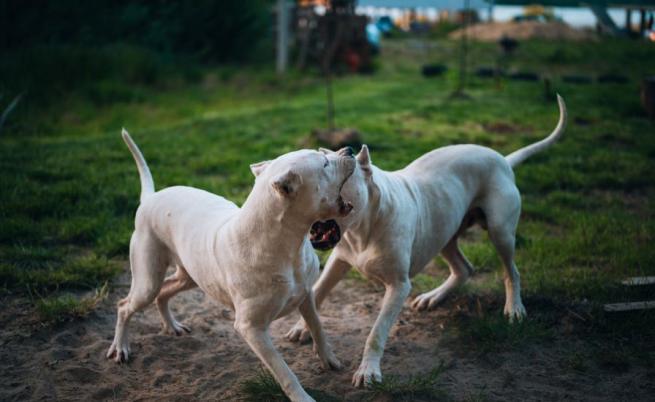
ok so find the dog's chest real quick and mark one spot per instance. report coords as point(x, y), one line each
point(296, 284)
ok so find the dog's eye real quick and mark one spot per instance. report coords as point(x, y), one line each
point(326, 164)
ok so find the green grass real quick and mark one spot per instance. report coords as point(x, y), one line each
point(70, 187)
point(420, 387)
point(493, 333)
point(262, 387)
point(59, 308)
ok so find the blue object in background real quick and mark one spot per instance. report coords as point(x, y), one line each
point(384, 24)
point(373, 36)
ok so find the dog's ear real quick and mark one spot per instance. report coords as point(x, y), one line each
point(326, 151)
point(287, 184)
point(364, 160)
point(258, 168)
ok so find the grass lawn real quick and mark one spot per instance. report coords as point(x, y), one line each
point(70, 187)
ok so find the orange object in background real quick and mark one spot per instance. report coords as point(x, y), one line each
point(314, 3)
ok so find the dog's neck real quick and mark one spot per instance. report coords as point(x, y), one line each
point(375, 208)
point(265, 219)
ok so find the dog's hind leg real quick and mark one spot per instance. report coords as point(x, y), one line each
point(173, 285)
point(503, 211)
point(460, 270)
point(148, 261)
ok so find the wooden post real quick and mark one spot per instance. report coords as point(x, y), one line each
point(642, 22)
point(282, 36)
point(463, 55)
point(628, 20)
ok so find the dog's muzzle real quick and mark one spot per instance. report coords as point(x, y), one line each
point(324, 235)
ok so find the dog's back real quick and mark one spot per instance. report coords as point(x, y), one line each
point(182, 217)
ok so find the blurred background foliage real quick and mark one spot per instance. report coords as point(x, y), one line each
point(50, 47)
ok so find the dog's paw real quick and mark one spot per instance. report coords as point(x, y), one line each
point(429, 300)
point(299, 333)
point(120, 354)
point(328, 360)
point(367, 373)
point(177, 328)
point(515, 312)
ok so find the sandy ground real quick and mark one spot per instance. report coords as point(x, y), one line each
point(494, 31)
point(67, 361)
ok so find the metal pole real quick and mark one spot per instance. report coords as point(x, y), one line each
point(464, 49)
point(282, 36)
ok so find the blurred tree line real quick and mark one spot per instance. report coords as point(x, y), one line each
point(210, 30)
point(105, 50)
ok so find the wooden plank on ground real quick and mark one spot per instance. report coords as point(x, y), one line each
point(639, 280)
point(642, 305)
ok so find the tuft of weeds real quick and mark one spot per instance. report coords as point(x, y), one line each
point(53, 309)
point(262, 387)
point(417, 387)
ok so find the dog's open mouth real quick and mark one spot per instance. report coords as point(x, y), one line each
point(325, 235)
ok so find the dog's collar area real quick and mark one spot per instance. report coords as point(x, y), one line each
point(324, 235)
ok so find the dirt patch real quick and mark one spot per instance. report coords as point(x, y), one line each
point(67, 362)
point(494, 31)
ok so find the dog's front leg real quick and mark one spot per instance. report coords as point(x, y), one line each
point(394, 298)
point(260, 342)
point(321, 345)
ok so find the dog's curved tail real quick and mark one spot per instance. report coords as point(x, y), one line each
point(147, 184)
point(522, 154)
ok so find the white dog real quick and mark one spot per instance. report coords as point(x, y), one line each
point(402, 219)
point(257, 259)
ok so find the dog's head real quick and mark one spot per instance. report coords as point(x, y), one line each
point(308, 182)
point(355, 190)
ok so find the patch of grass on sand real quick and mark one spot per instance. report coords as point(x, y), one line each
point(59, 308)
point(419, 387)
point(44, 270)
point(494, 333)
point(262, 387)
